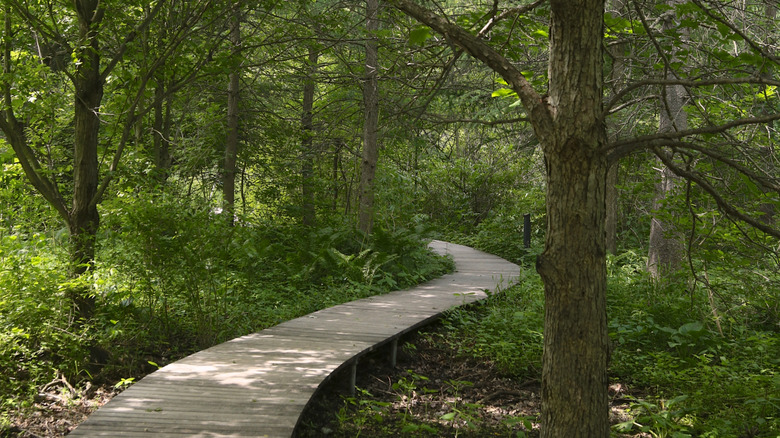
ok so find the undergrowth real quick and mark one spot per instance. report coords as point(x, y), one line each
point(680, 376)
point(170, 281)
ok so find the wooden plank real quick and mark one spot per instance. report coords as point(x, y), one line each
point(257, 385)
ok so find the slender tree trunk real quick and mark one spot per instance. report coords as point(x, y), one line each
point(161, 132)
point(617, 78)
point(611, 201)
point(232, 140)
point(84, 218)
point(337, 146)
point(665, 245)
point(307, 144)
point(370, 153)
point(157, 126)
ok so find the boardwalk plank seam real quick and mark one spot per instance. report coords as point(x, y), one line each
point(258, 385)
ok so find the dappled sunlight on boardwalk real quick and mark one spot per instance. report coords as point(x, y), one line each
point(257, 385)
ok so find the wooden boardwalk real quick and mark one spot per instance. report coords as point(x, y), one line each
point(258, 385)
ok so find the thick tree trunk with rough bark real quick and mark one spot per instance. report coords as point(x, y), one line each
point(573, 264)
point(570, 127)
point(370, 153)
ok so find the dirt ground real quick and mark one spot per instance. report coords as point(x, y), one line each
point(434, 392)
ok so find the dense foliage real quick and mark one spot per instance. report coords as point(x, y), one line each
point(672, 372)
point(156, 246)
point(172, 280)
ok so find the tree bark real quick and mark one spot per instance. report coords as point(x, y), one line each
point(232, 139)
point(665, 245)
point(84, 218)
point(370, 153)
point(570, 127)
point(617, 79)
point(573, 264)
point(162, 127)
point(307, 144)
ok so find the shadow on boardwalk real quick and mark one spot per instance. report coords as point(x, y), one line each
point(258, 385)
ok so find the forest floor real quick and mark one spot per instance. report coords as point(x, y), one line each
point(58, 409)
point(432, 391)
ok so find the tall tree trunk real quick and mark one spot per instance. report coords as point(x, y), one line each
point(307, 144)
point(161, 132)
point(573, 264)
point(232, 139)
point(370, 153)
point(84, 217)
point(617, 78)
point(611, 201)
point(569, 124)
point(665, 245)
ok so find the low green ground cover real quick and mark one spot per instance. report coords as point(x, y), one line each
point(679, 375)
point(686, 378)
point(170, 282)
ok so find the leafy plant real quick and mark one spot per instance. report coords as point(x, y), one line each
point(662, 420)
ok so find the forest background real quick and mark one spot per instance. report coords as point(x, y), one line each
point(178, 173)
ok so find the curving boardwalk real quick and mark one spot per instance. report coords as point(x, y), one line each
point(258, 385)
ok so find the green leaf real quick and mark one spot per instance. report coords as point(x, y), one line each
point(410, 428)
point(502, 92)
point(448, 416)
point(691, 327)
point(419, 35)
point(723, 29)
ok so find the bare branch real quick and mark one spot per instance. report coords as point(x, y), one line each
point(690, 83)
point(532, 101)
point(520, 10)
point(737, 31)
point(620, 149)
point(724, 205)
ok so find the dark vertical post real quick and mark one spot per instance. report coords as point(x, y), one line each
point(353, 377)
point(393, 352)
point(527, 230)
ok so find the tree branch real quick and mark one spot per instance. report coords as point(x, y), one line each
point(754, 80)
point(537, 108)
point(129, 39)
point(14, 132)
point(620, 149)
point(725, 206)
point(736, 30)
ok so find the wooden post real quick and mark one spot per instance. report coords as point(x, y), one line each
point(527, 230)
point(353, 377)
